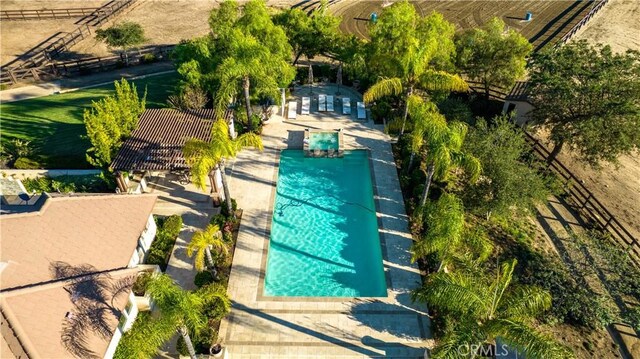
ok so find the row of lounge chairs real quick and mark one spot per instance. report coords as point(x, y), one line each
point(325, 104)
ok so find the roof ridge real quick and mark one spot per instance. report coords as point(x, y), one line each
point(59, 282)
point(49, 199)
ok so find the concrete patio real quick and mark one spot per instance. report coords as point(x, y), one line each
point(276, 327)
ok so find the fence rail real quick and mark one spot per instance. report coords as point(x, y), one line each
point(587, 203)
point(63, 44)
point(84, 66)
point(496, 93)
point(596, 8)
point(44, 14)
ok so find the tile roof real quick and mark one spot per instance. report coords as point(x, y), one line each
point(157, 142)
point(41, 316)
point(101, 230)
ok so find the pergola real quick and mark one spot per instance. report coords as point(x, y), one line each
point(156, 145)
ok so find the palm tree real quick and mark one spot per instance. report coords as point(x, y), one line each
point(443, 152)
point(201, 244)
point(249, 62)
point(419, 77)
point(486, 310)
point(183, 311)
point(423, 114)
point(447, 234)
point(204, 157)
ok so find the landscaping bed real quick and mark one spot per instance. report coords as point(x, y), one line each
point(99, 183)
point(166, 236)
point(230, 228)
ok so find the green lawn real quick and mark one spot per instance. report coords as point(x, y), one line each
point(54, 124)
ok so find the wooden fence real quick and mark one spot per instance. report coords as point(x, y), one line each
point(495, 93)
point(44, 14)
point(597, 7)
point(62, 44)
point(84, 66)
point(587, 203)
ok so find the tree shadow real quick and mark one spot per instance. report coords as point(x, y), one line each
point(94, 295)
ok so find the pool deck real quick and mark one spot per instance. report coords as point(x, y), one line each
point(268, 327)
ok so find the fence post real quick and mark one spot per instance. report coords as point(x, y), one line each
point(12, 76)
point(34, 73)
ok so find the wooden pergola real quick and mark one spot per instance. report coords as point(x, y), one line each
point(156, 145)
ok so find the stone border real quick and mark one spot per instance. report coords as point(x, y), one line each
point(265, 246)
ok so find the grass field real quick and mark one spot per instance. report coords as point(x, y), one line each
point(54, 124)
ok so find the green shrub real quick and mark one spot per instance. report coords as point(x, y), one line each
point(200, 343)
point(148, 58)
point(172, 226)
point(224, 209)
point(100, 183)
point(572, 303)
point(632, 317)
point(203, 278)
point(218, 220)
point(24, 163)
point(166, 235)
point(157, 256)
point(140, 286)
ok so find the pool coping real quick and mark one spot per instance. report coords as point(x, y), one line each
point(267, 237)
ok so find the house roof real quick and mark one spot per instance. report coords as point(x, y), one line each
point(101, 230)
point(157, 142)
point(35, 319)
point(519, 91)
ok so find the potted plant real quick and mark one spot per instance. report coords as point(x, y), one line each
point(216, 351)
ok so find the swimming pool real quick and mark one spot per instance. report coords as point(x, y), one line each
point(323, 141)
point(324, 233)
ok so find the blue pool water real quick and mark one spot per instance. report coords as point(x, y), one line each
point(324, 233)
point(323, 141)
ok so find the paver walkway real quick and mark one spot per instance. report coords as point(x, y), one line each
point(196, 209)
point(261, 327)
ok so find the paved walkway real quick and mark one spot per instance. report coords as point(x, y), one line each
point(196, 209)
point(79, 82)
point(261, 327)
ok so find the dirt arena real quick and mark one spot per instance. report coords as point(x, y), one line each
point(617, 25)
point(551, 19)
point(164, 22)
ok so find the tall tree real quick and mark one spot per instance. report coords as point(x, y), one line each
point(492, 55)
point(310, 34)
point(201, 244)
point(588, 98)
point(446, 233)
point(511, 181)
point(178, 311)
point(204, 157)
point(111, 120)
point(441, 148)
point(410, 53)
point(254, 54)
point(124, 35)
point(488, 309)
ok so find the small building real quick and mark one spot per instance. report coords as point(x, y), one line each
point(517, 100)
point(67, 267)
point(155, 147)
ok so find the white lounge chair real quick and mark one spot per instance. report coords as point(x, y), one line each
point(293, 109)
point(306, 104)
point(362, 113)
point(346, 106)
point(329, 103)
point(322, 103)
